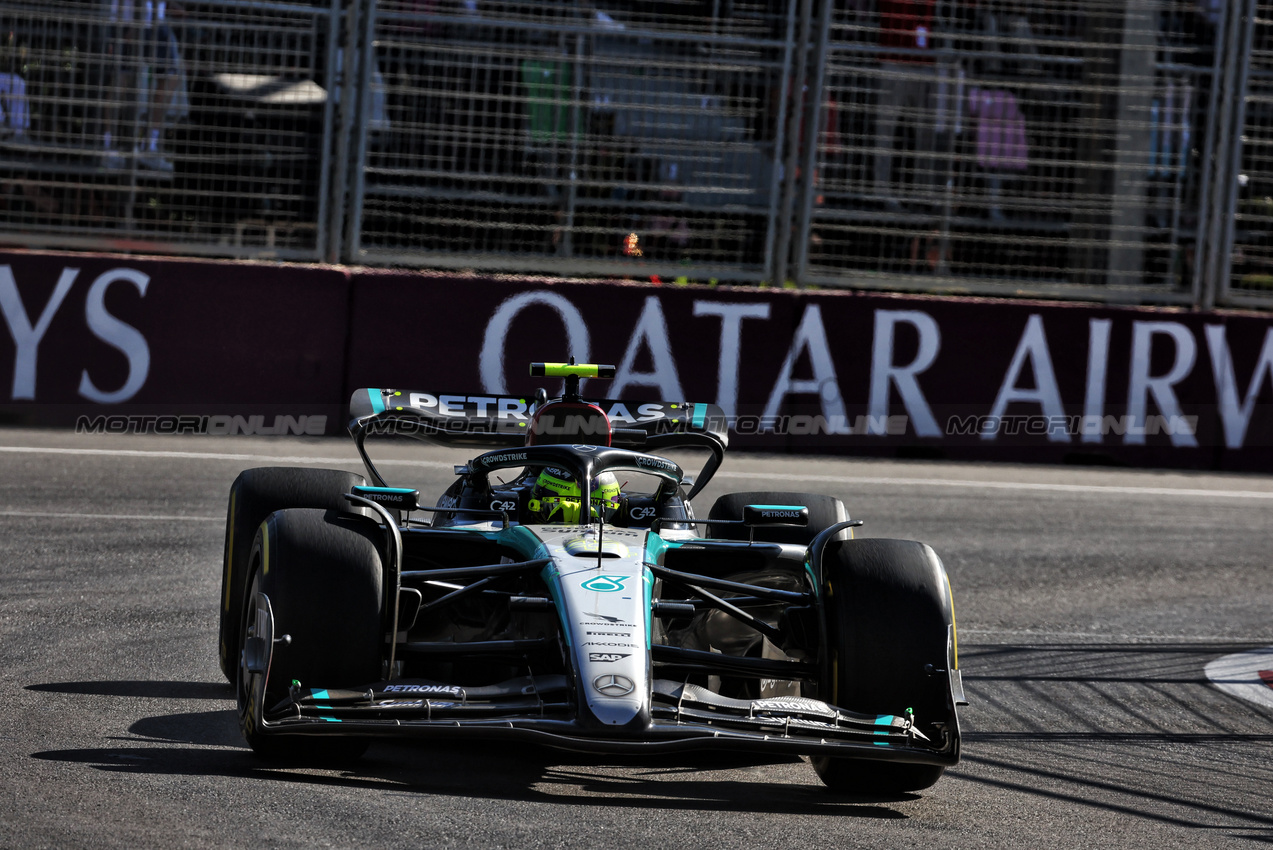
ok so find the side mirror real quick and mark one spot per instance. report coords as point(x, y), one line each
point(761, 516)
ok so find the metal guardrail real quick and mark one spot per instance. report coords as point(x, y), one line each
point(140, 125)
point(557, 138)
point(1113, 152)
point(1247, 270)
point(1011, 149)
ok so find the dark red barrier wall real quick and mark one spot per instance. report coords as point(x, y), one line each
point(805, 371)
point(887, 374)
point(164, 337)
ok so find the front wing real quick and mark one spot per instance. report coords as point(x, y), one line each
point(538, 710)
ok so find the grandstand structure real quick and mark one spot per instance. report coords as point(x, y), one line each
point(1102, 150)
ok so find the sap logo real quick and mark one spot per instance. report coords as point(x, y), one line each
point(28, 335)
point(607, 657)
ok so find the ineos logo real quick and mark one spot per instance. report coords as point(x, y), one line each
point(644, 513)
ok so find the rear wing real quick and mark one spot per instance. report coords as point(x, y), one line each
point(499, 421)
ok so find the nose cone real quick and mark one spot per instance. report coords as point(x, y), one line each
point(615, 702)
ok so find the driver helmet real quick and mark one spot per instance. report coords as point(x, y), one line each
point(555, 497)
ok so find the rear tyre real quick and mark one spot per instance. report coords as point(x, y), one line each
point(824, 511)
point(322, 574)
point(256, 494)
point(888, 611)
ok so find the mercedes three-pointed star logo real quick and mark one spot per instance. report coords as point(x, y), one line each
point(611, 685)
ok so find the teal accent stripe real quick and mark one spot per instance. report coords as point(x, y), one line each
point(647, 578)
point(377, 402)
point(366, 489)
point(779, 507)
point(330, 719)
point(813, 579)
point(700, 415)
point(319, 694)
point(552, 578)
point(883, 720)
point(655, 546)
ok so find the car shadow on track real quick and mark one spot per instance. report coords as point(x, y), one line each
point(1133, 729)
point(207, 743)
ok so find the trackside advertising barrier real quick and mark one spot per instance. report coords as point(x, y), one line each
point(182, 346)
point(253, 348)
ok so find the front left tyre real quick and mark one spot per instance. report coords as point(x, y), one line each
point(321, 572)
point(256, 494)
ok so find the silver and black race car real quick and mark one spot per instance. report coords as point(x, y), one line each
point(540, 600)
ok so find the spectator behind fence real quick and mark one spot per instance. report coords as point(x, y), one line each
point(15, 120)
point(907, 88)
point(1002, 148)
point(155, 72)
point(1006, 56)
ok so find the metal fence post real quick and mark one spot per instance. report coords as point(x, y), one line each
point(331, 191)
point(792, 160)
point(1224, 267)
point(1222, 171)
point(1206, 173)
point(813, 123)
point(359, 101)
point(777, 180)
point(567, 245)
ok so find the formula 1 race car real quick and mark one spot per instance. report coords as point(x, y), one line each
point(541, 600)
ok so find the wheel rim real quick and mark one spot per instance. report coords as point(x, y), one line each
point(246, 683)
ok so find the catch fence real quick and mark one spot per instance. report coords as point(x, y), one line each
point(1082, 149)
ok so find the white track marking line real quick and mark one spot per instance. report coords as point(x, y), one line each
point(429, 464)
point(1099, 489)
point(1239, 675)
point(1103, 637)
point(154, 517)
point(1093, 489)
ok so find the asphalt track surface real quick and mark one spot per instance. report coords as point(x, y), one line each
point(1088, 602)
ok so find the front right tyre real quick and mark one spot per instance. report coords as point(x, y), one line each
point(889, 630)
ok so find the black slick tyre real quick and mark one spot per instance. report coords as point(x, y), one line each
point(824, 511)
point(888, 614)
point(256, 494)
point(322, 574)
